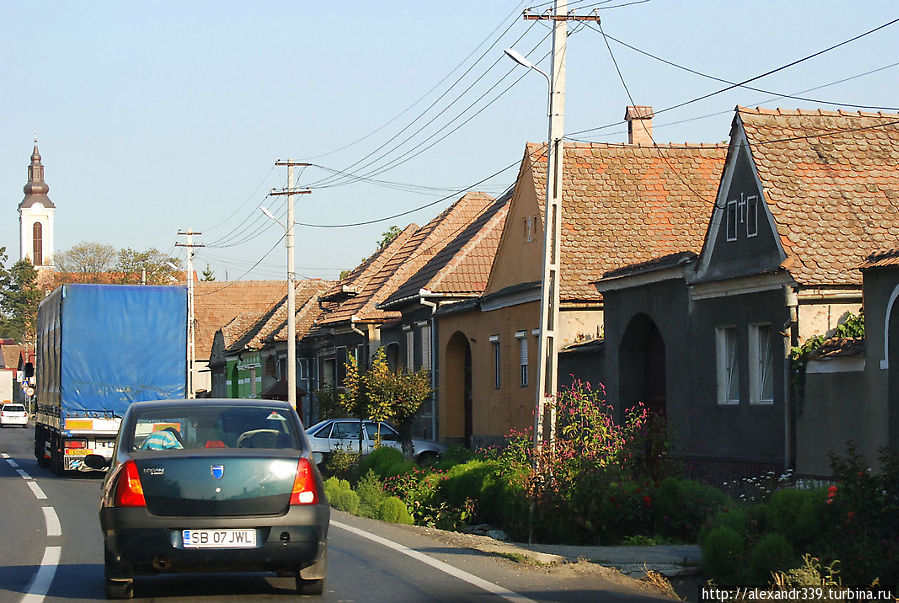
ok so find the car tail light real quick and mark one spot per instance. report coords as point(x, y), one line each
point(76, 443)
point(304, 489)
point(129, 492)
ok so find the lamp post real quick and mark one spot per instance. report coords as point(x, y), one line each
point(548, 354)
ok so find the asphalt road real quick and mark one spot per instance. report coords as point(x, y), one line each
point(51, 549)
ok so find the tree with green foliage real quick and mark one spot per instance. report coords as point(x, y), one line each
point(151, 267)
point(384, 395)
point(19, 299)
point(208, 274)
point(89, 262)
point(388, 236)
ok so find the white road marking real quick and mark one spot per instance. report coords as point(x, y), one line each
point(37, 590)
point(440, 565)
point(38, 493)
point(53, 526)
point(40, 584)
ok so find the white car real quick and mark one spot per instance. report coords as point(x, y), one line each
point(13, 414)
point(343, 435)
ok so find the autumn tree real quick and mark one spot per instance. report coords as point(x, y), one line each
point(384, 395)
point(89, 262)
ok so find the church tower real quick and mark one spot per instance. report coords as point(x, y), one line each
point(36, 216)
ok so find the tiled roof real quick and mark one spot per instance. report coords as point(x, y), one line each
point(307, 311)
point(252, 330)
point(462, 265)
point(839, 347)
point(881, 259)
point(412, 254)
point(667, 261)
point(624, 203)
point(217, 303)
point(10, 354)
point(364, 281)
point(832, 184)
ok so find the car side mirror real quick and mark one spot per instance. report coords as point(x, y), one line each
point(96, 461)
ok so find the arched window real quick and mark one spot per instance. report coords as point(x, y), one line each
point(37, 242)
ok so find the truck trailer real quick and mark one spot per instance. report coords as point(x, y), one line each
point(100, 348)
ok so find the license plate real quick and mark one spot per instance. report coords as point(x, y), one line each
point(218, 539)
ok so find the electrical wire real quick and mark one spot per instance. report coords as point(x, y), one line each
point(762, 90)
point(231, 283)
point(746, 81)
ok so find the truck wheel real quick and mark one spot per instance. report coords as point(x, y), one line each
point(39, 445)
point(56, 460)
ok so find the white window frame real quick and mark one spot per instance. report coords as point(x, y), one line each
point(410, 350)
point(425, 346)
point(727, 354)
point(730, 213)
point(752, 216)
point(522, 337)
point(497, 372)
point(761, 363)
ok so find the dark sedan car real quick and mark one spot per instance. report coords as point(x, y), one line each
point(212, 486)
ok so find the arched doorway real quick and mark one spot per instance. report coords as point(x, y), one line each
point(641, 366)
point(458, 390)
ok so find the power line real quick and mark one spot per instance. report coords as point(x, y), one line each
point(746, 81)
point(724, 81)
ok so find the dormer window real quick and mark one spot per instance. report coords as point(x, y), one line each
point(752, 219)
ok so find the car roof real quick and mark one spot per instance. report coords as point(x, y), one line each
point(201, 402)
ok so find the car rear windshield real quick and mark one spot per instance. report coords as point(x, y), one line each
point(196, 427)
point(13, 408)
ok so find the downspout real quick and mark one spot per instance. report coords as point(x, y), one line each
point(791, 339)
point(365, 342)
point(433, 306)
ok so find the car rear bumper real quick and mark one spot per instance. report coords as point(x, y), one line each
point(138, 543)
point(14, 421)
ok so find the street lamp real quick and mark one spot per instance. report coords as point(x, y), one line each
point(548, 354)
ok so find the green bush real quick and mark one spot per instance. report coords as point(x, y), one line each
point(385, 462)
point(371, 494)
point(345, 500)
point(340, 495)
point(344, 465)
point(797, 514)
point(393, 510)
point(466, 481)
point(722, 554)
point(735, 517)
point(681, 506)
point(772, 553)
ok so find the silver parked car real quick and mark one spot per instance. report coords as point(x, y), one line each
point(333, 435)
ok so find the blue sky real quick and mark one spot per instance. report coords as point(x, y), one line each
point(155, 117)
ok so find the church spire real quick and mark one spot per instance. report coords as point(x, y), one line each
point(36, 189)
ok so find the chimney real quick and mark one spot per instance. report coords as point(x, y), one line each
point(639, 124)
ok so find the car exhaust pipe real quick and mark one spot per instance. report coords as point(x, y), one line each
point(161, 562)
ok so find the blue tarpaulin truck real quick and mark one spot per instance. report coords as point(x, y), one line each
point(100, 348)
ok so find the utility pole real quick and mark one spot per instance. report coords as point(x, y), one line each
point(191, 330)
point(548, 353)
point(291, 283)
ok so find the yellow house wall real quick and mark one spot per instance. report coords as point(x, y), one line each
point(495, 412)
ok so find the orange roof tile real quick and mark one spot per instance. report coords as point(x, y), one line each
point(462, 264)
point(623, 204)
point(217, 303)
point(832, 184)
point(410, 255)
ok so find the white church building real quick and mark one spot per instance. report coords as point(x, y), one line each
point(36, 216)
